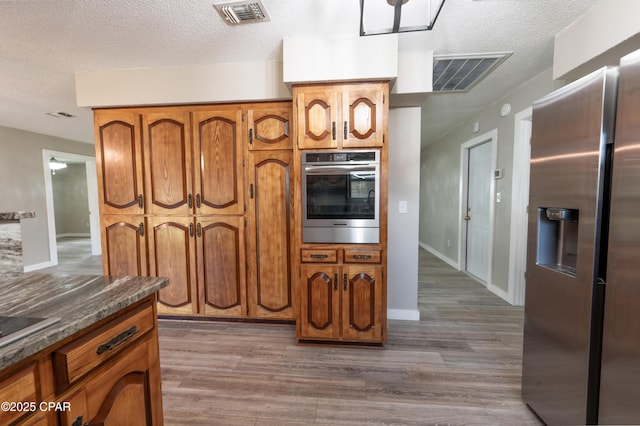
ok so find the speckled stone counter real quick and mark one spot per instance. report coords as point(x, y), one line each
point(11, 244)
point(78, 300)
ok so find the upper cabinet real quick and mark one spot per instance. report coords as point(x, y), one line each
point(269, 126)
point(168, 162)
point(119, 160)
point(340, 116)
point(218, 160)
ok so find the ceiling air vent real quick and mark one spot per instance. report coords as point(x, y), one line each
point(459, 73)
point(242, 12)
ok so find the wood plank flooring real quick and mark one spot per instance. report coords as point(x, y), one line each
point(459, 365)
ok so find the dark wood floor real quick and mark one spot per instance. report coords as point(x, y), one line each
point(460, 364)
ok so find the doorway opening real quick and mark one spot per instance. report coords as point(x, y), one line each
point(84, 168)
point(478, 158)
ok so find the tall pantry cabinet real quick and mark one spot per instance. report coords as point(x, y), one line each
point(173, 184)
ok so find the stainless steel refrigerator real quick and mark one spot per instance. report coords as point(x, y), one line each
point(581, 354)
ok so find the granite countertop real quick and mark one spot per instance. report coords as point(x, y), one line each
point(16, 215)
point(77, 300)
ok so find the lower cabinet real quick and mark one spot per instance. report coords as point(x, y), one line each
point(341, 302)
point(124, 247)
point(204, 259)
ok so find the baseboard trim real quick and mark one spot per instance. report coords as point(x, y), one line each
point(74, 235)
point(440, 256)
point(36, 266)
point(500, 293)
point(403, 314)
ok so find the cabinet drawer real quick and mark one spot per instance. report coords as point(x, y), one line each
point(19, 387)
point(319, 255)
point(74, 360)
point(361, 256)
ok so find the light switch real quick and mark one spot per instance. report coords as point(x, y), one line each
point(402, 207)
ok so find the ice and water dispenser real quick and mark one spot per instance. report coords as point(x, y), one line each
point(558, 239)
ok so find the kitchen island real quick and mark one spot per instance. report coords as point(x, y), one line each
point(95, 357)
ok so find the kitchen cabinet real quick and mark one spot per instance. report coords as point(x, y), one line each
point(204, 259)
point(108, 373)
point(269, 236)
point(119, 161)
point(168, 170)
point(342, 301)
point(270, 240)
point(341, 116)
point(124, 245)
point(218, 160)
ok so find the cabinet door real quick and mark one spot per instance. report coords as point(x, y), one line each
point(168, 162)
point(218, 155)
point(119, 395)
point(270, 237)
point(222, 269)
point(269, 126)
point(319, 302)
point(172, 254)
point(124, 246)
point(119, 161)
point(362, 303)
point(363, 116)
point(317, 115)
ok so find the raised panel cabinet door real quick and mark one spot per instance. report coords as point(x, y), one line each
point(119, 162)
point(363, 116)
point(218, 157)
point(319, 316)
point(168, 173)
point(317, 115)
point(221, 256)
point(172, 254)
point(269, 237)
point(269, 126)
point(124, 245)
point(362, 303)
point(123, 394)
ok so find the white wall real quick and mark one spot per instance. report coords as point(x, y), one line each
point(404, 185)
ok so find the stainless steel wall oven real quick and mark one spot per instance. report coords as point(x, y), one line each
point(341, 197)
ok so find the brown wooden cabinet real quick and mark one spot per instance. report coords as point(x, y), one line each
point(107, 374)
point(341, 116)
point(342, 301)
point(119, 161)
point(124, 245)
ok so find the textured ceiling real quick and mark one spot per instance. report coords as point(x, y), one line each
point(43, 43)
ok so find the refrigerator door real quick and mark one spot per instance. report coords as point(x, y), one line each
point(620, 382)
point(568, 146)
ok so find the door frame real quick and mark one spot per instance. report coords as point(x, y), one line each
point(92, 192)
point(492, 138)
point(519, 206)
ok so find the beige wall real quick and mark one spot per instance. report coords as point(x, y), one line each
point(22, 183)
point(440, 178)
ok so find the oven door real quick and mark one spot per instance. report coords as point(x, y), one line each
point(341, 203)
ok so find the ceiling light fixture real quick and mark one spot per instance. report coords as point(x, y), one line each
point(56, 165)
point(398, 16)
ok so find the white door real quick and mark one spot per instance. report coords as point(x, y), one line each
point(477, 217)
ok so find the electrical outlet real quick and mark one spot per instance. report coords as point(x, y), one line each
point(402, 207)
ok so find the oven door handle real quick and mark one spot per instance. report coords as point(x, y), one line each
point(323, 170)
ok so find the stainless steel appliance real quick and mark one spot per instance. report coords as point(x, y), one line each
point(341, 197)
point(581, 355)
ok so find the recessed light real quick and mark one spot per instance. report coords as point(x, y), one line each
point(60, 114)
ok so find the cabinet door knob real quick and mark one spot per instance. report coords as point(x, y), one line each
point(140, 200)
point(198, 202)
point(141, 228)
point(345, 129)
point(344, 277)
point(335, 282)
point(333, 130)
point(190, 200)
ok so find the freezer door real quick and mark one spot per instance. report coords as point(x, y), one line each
point(620, 383)
point(568, 146)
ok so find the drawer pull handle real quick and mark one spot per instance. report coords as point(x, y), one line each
point(319, 256)
point(118, 340)
point(362, 256)
point(335, 282)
